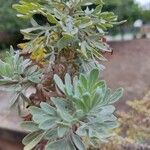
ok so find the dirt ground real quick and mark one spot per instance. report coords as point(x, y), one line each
point(10, 145)
point(129, 67)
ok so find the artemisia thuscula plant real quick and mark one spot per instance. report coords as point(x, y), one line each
point(71, 108)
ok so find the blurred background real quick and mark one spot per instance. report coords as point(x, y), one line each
point(128, 67)
point(136, 12)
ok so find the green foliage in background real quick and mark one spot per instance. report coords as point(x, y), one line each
point(128, 10)
point(125, 9)
point(8, 19)
point(146, 16)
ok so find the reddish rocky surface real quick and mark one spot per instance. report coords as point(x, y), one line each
point(9, 145)
point(129, 67)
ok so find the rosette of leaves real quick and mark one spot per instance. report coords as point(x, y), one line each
point(17, 75)
point(67, 25)
point(82, 117)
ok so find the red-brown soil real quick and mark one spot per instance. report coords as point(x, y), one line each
point(129, 67)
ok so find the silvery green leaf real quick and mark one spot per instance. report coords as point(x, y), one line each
point(78, 142)
point(116, 96)
point(48, 124)
point(97, 97)
point(106, 97)
point(94, 74)
point(59, 83)
point(62, 130)
point(83, 81)
point(66, 116)
point(60, 103)
point(101, 46)
point(111, 125)
point(28, 30)
point(30, 126)
point(80, 105)
point(47, 108)
point(62, 110)
point(106, 110)
point(99, 134)
point(36, 110)
point(61, 145)
point(103, 110)
point(82, 130)
point(87, 100)
point(84, 49)
point(68, 26)
point(88, 11)
point(30, 137)
point(99, 119)
point(34, 142)
point(51, 134)
point(75, 86)
point(102, 114)
point(14, 72)
point(31, 70)
point(35, 78)
point(79, 113)
point(68, 84)
point(39, 118)
point(13, 88)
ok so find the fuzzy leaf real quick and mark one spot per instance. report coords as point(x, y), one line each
point(60, 145)
point(30, 137)
point(47, 108)
point(30, 126)
point(62, 130)
point(34, 142)
point(78, 142)
point(116, 96)
point(59, 83)
point(48, 124)
point(68, 84)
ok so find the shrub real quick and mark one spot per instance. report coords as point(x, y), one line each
point(71, 108)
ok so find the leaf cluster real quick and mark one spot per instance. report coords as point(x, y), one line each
point(86, 111)
point(17, 75)
point(67, 25)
